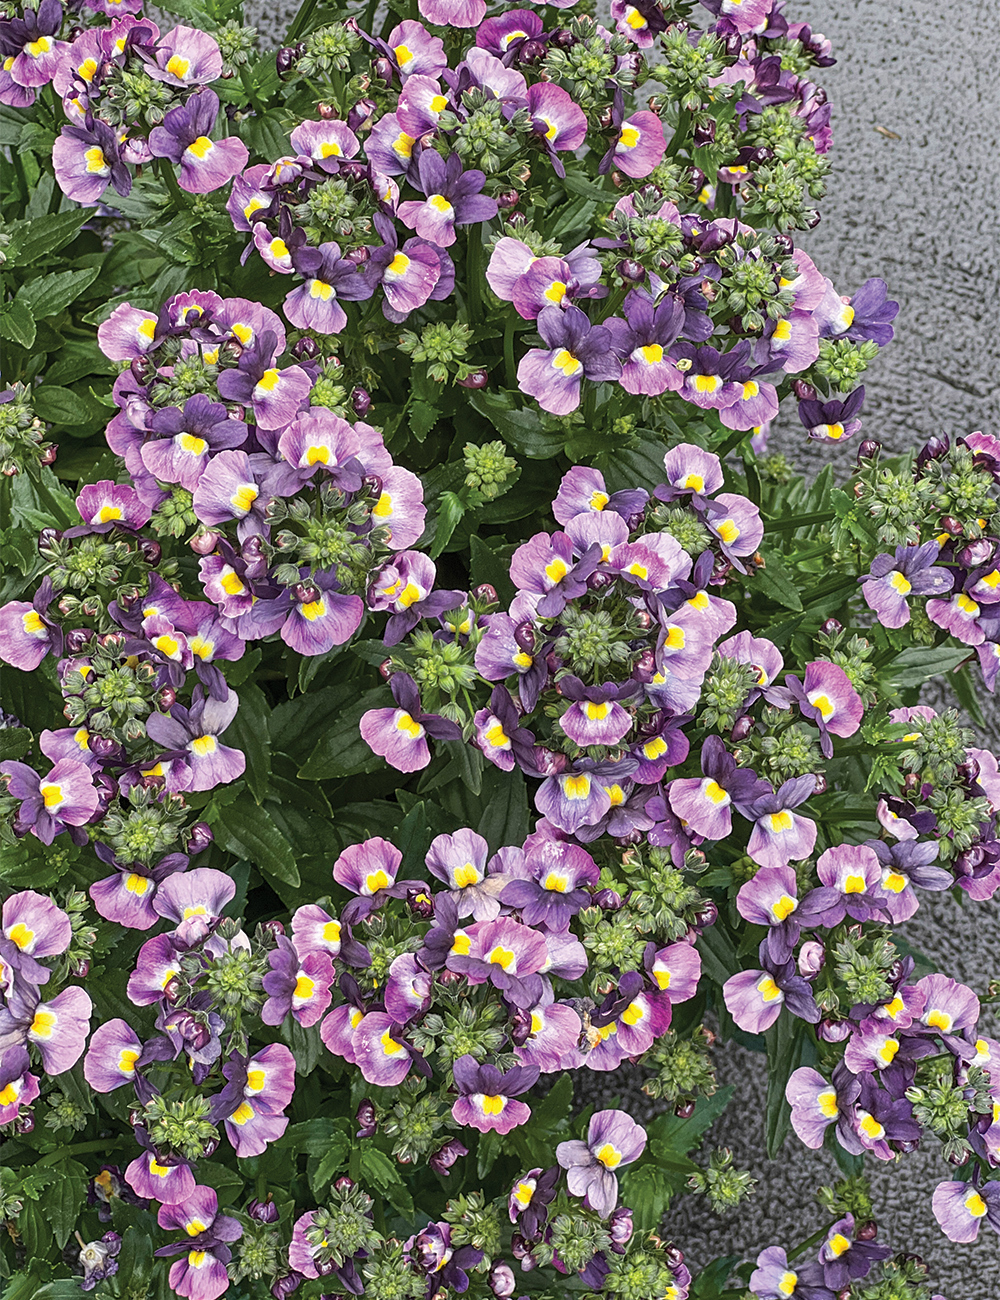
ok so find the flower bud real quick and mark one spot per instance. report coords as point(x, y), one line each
point(704, 133)
point(205, 543)
point(952, 525)
point(263, 1211)
point(803, 391)
point(485, 594)
point(832, 627)
point(520, 1247)
point(501, 1280)
point(866, 1231)
point(78, 638)
point(477, 379)
point(933, 449)
point(420, 902)
point(24, 1124)
point(305, 349)
point(383, 70)
point(361, 402)
point(48, 538)
point(366, 1119)
point(812, 955)
point(305, 593)
point(285, 61)
point(507, 200)
point(360, 116)
point(608, 899)
point(868, 450)
point(706, 916)
point(524, 635)
point(284, 1286)
point(80, 969)
point(599, 581)
point(821, 784)
point(48, 456)
point(443, 1159)
point(833, 1031)
point(385, 669)
point(200, 837)
point(519, 1027)
point(968, 772)
point(102, 746)
point(343, 1184)
point(172, 989)
point(275, 928)
point(151, 551)
point(742, 728)
point(166, 698)
point(550, 763)
point(684, 1109)
point(620, 1227)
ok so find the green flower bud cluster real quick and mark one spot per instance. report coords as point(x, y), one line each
point(904, 1278)
point(142, 825)
point(941, 1105)
point(489, 470)
point(935, 747)
point(130, 94)
point(963, 490)
point(486, 139)
point(64, 1113)
point(959, 819)
point(586, 67)
point(21, 432)
point(638, 1275)
point(441, 347)
point(725, 1186)
point(782, 190)
point(615, 941)
point(896, 503)
point(687, 70)
point(683, 525)
point(257, 1253)
point(333, 206)
point(343, 1227)
point(842, 363)
point(181, 1126)
point(415, 1122)
point(236, 44)
point(328, 49)
point(235, 979)
point(682, 1066)
point(863, 966)
point(576, 1237)
point(474, 1222)
point(727, 685)
point(175, 516)
point(190, 375)
point(851, 1195)
point(388, 1276)
point(751, 286)
point(474, 1028)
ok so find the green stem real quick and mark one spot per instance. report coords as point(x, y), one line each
point(251, 90)
point(306, 11)
point(165, 171)
point(77, 1149)
point(809, 1241)
point(680, 133)
point(474, 256)
point(508, 348)
point(801, 521)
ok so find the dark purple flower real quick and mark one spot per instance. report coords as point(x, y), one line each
point(487, 1098)
point(453, 198)
point(844, 1258)
point(911, 571)
point(184, 138)
point(704, 803)
point(832, 421)
point(576, 350)
point(397, 734)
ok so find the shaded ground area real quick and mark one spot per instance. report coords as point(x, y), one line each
point(923, 212)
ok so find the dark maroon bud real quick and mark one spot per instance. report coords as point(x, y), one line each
point(631, 838)
point(204, 543)
point(78, 638)
point(866, 1231)
point(819, 96)
point(446, 1156)
point(645, 665)
point(305, 349)
point(166, 698)
point(524, 635)
point(48, 456)
point(531, 52)
point(833, 1031)
point(305, 593)
point(550, 763)
point(361, 401)
point(831, 627)
point(741, 728)
point(684, 1109)
point(212, 1144)
point(478, 379)
point(383, 70)
point(821, 784)
point(600, 581)
point(762, 155)
point(286, 60)
point(517, 219)
point(80, 969)
point(102, 746)
point(733, 43)
point(704, 133)
point(621, 1228)
point(485, 594)
point(24, 1124)
point(608, 899)
point(959, 1158)
point(111, 641)
point(326, 111)
point(951, 525)
point(519, 1027)
point(361, 114)
point(868, 450)
point(934, 448)
point(507, 200)
point(845, 1294)
point(813, 221)
point(520, 1246)
point(385, 669)
point(968, 771)
point(630, 270)
point(343, 1184)
point(253, 549)
point(366, 1119)
point(895, 972)
point(803, 391)
point(617, 179)
point(263, 1211)
point(142, 370)
point(976, 553)
point(911, 782)
point(501, 1280)
point(274, 927)
point(673, 1256)
point(200, 837)
point(706, 916)
point(784, 243)
point(284, 1286)
point(697, 178)
point(172, 990)
point(359, 256)
point(48, 537)
point(151, 551)
point(644, 619)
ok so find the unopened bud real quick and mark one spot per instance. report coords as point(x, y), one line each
point(199, 838)
point(285, 61)
point(385, 669)
point(263, 1211)
point(477, 379)
point(305, 349)
point(741, 728)
point(868, 450)
point(443, 1159)
point(361, 402)
point(485, 594)
point(803, 391)
point(501, 1280)
point(204, 543)
point(812, 955)
point(684, 1109)
point(366, 1119)
point(48, 456)
point(519, 1027)
point(151, 551)
point(166, 698)
point(866, 1231)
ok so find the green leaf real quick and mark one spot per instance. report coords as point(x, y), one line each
point(789, 1045)
point(265, 136)
point(65, 407)
point(306, 1044)
point(341, 750)
point(333, 1159)
point(17, 324)
point(914, 665)
point(422, 418)
point(710, 1283)
point(521, 427)
point(505, 820)
point(776, 581)
point(490, 1149)
point(63, 1201)
point(247, 829)
point(312, 1136)
point(555, 1106)
point(490, 562)
point(250, 732)
point(450, 508)
point(377, 1168)
point(648, 1189)
point(671, 1133)
point(45, 234)
point(49, 294)
point(14, 742)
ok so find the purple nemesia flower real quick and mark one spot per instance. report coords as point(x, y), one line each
point(31, 54)
point(781, 834)
point(487, 1098)
point(256, 1093)
point(775, 1279)
point(330, 280)
point(156, 1177)
point(194, 900)
point(381, 1052)
point(183, 439)
point(275, 395)
point(904, 864)
point(326, 142)
point(186, 57)
point(826, 697)
point(554, 1034)
point(639, 146)
point(86, 159)
point(505, 34)
point(299, 985)
point(408, 275)
point(948, 1005)
point(66, 797)
point(754, 998)
point(737, 525)
point(576, 350)
point(200, 1273)
point(26, 633)
point(501, 738)
point(832, 421)
point(369, 870)
point(18, 1086)
point(583, 491)
point(183, 137)
point(157, 963)
point(431, 1252)
point(573, 799)
point(115, 1054)
point(33, 927)
point(960, 1208)
point(816, 1104)
point(641, 22)
point(692, 472)
point(961, 616)
point(557, 120)
point(613, 1140)
point(58, 1029)
point(704, 803)
point(771, 898)
point(853, 872)
point(844, 1258)
point(97, 1258)
point(911, 571)
point(453, 13)
point(405, 587)
point(397, 735)
point(459, 860)
point(408, 989)
point(106, 505)
point(504, 952)
point(230, 488)
point(551, 883)
point(532, 1193)
point(193, 736)
point(453, 198)
point(642, 341)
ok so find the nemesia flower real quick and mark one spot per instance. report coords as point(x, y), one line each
point(453, 198)
point(157, 963)
point(33, 927)
point(86, 159)
point(780, 834)
point(576, 349)
point(296, 984)
point(194, 900)
point(415, 49)
point(770, 898)
point(641, 23)
point(408, 989)
point(501, 738)
point(550, 883)
point(571, 800)
point(193, 736)
point(31, 54)
point(560, 122)
point(325, 142)
point(775, 1279)
point(551, 1044)
point(453, 13)
point(704, 802)
point(256, 1093)
point(66, 797)
point(431, 1252)
point(274, 394)
point(58, 1029)
point(640, 144)
point(487, 1098)
point(168, 1180)
point(816, 1104)
point(397, 735)
point(26, 633)
point(115, 1053)
point(737, 524)
point(960, 616)
point(183, 439)
point(529, 1198)
point(905, 864)
point(229, 488)
point(18, 1086)
point(825, 696)
point(505, 953)
point(948, 1005)
point(330, 280)
point(891, 579)
point(369, 870)
point(201, 1272)
point(854, 873)
point(960, 1208)
point(832, 421)
point(183, 138)
point(106, 505)
point(459, 860)
point(844, 1257)
point(186, 57)
point(642, 341)
point(613, 1140)
point(754, 998)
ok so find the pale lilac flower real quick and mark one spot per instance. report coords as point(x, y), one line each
point(613, 1140)
point(487, 1098)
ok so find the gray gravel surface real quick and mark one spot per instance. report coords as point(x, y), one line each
point(923, 212)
